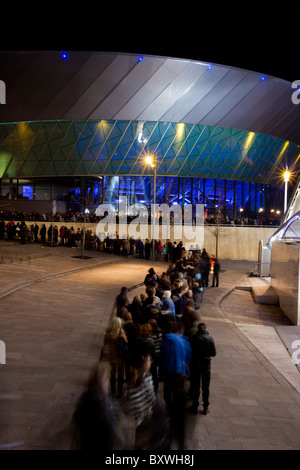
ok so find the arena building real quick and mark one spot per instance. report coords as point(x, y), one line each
point(78, 126)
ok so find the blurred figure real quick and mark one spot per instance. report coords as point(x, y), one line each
point(197, 295)
point(135, 308)
point(150, 278)
point(175, 355)
point(122, 298)
point(190, 321)
point(167, 296)
point(96, 416)
point(152, 430)
point(216, 270)
point(110, 353)
point(125, 247)
point(157, 336)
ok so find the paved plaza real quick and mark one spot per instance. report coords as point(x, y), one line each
point(55, 308)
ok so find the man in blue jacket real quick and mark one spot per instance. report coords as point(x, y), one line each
point(175, 356)
point(140, 248)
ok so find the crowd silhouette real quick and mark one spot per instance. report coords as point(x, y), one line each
point(156, 356)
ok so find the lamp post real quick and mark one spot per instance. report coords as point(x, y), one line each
point(286, 177)
point(152, 162)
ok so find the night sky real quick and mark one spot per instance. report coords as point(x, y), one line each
point(240, 35)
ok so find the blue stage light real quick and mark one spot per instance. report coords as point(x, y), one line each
point(262, 78)
point(64, 55)
point(140, 59)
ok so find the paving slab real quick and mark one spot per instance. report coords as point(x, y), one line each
point(54, 312)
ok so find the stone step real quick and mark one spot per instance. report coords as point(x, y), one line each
point(262, 291)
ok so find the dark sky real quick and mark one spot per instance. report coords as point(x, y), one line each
point(240, 35)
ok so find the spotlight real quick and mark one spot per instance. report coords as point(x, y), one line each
point(262, 78)
point(64, 55)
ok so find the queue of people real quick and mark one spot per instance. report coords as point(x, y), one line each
point(74, 216)
point(167, 251)
point(158, 353)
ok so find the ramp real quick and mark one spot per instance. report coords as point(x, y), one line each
point(262, 291)
point(290, 337)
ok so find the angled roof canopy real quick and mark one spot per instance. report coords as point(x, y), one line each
point(88, 113)
point(119, 86)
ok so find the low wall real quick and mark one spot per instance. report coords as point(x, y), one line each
point(234, 242)
point(285, 277)
point(23, 205)
point(237, 243)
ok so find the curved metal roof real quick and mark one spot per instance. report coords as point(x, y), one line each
point(43, 86)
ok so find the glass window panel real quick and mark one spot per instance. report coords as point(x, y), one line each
point(246, 199)
point(197, 197)
point(238, 195)
point(171, 190)
point(185, 194)
point(253, 197)
point(210, 192)
point(142, 189)
point(293, 230)
point(220, 202)
point(160, 190)
point(229, 198)
point(111, 190)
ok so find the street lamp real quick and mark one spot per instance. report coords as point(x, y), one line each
point(152, 162)
point(286, 177)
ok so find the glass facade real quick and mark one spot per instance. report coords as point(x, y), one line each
point(233, 198)
point(96, 161)
point(93, 147)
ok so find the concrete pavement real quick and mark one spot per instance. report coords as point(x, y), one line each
point(54, 311)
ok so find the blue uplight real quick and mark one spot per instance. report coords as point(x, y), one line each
point(64, 55)
point(140, 59)
point(262, 78)
point(209, 67)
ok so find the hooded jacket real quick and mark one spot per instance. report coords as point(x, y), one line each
point(203, 348)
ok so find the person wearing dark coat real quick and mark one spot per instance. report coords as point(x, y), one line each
point(23, 232)
point(165, 315)
point(147, 249)
point(197, 295)
point(150, 277)
point(203, 349)
point(43, 234)
point(216, 274)
point(36, 231)
point(95, 418)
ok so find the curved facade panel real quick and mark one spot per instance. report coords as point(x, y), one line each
point(119, 147)
point(83, 124)
point(44, 86)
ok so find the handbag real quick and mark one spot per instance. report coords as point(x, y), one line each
point(122, 348)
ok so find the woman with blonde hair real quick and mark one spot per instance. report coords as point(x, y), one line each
point(113, 334)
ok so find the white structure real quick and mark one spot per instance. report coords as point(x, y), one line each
point(264, 260)
point(285, 259)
